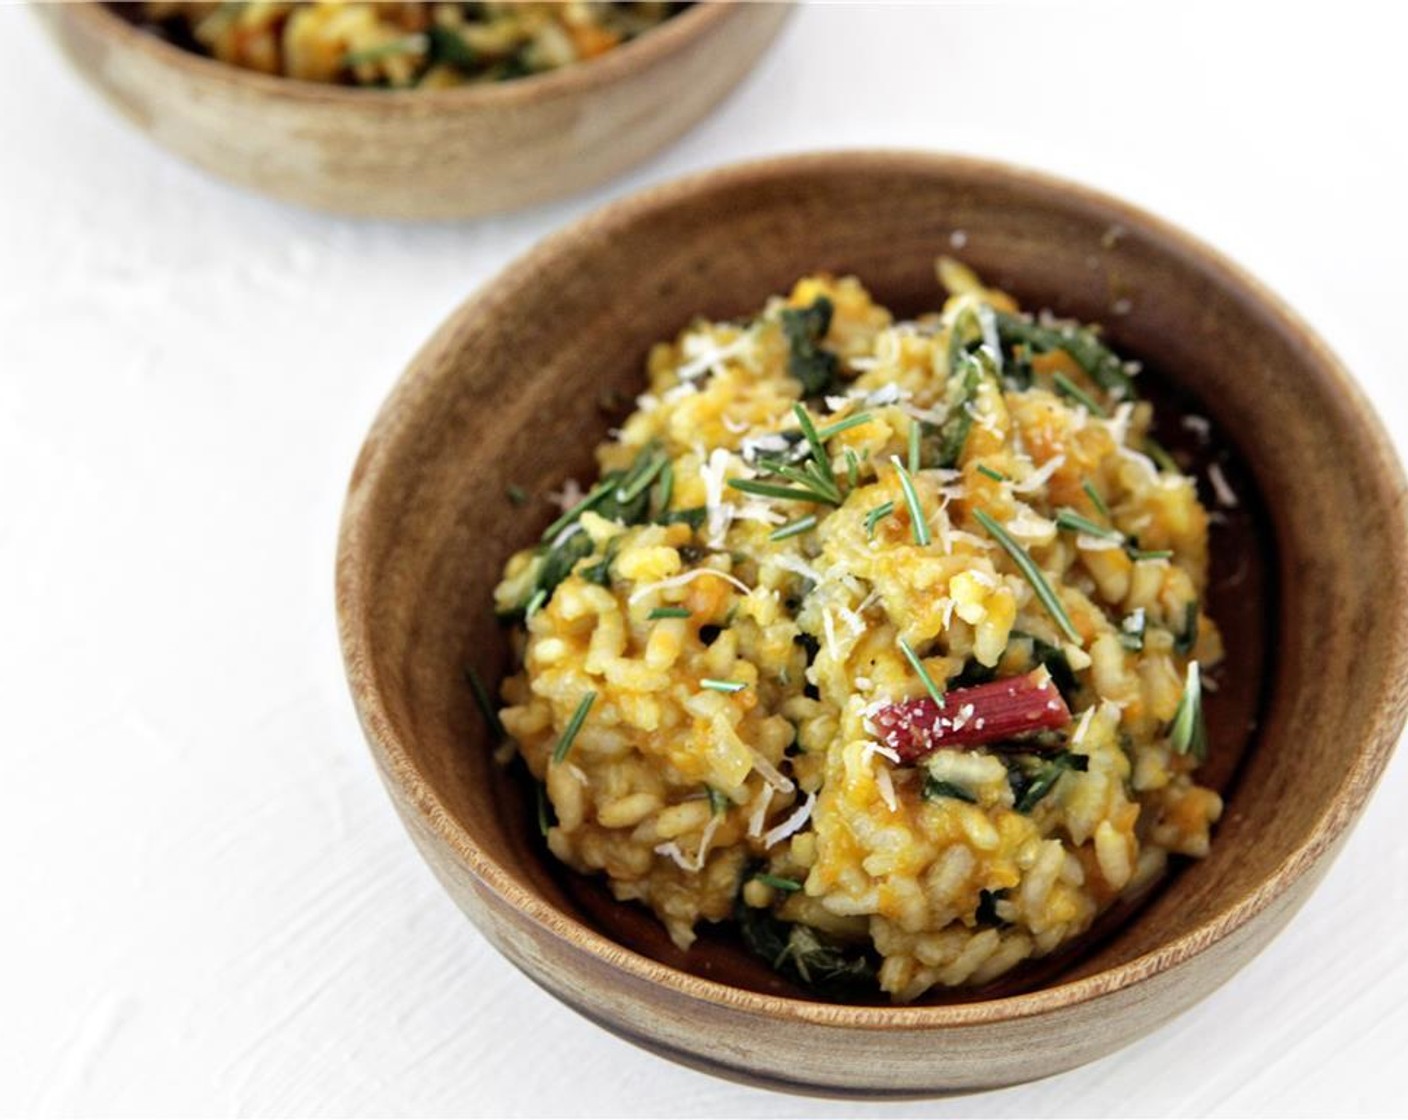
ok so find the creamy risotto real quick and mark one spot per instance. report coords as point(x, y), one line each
point(880, 638)
point(402, 45)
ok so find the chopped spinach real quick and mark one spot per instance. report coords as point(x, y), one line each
point(987, 908)
point(808, 361)
point(1032, 778)
point(936, 789)
point(802, 954)
point(1081, 343)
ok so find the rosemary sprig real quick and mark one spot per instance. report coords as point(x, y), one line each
point(793, 528)
point(1189, 730)
point(486, 705)
point(595, 496)
point(936, 789)
point(930, 686)
point(875, 516)
point(721, 686)
point(1068, 388)
point(535, 603)
point(778, 883)
point(574, 725)
point(916, 431)
point(1027, 566)
point(916, 513)
point(668, 612)
point(987, 472)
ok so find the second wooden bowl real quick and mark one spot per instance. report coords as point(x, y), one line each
point(508, 391)
point(454, 153)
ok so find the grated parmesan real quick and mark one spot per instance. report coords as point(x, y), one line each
point(794, 823)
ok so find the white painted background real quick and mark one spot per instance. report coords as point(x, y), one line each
point(208, 904)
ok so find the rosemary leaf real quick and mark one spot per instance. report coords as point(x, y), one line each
point(793, 528)
point(930, 686)
point(1027, 566)
point(486, 705)
point(574, 725)
point(916, 513)
point(875, 516)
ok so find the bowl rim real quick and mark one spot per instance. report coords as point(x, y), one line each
point(1378, 735)
point(657, 44)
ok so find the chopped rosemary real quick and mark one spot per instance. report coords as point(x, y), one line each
point(1068, 388)
point(936, 789)
point(793, 528)
point(916, 431)
point(1184, 640)
point(721, 686)
point(595, 496)
point(668, 612)
point(516, 494)
point(546, 817)
point(852, 469)
point(486, 705)
point(911, 498)
point(574, 725)
point(718, 801)
point(930, 686)
point(633, 487)
point(1095, 499)
point(1033, 574)
point(814, 441)
point(873, 519)
point(1156, 451)
point(1189, 730)
point(535, 603)
point(845, 425)
point(665, 487)
point(778, 883)
point(1071, 521)
point(1150, 553)
point(987, 472)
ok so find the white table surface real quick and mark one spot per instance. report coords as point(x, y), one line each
point(210, 906)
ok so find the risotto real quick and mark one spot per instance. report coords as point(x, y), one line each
point(880, 638)
point(398, 45)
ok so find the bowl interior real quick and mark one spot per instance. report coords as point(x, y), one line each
point(520, 385)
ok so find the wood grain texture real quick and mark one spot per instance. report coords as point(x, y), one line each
point(505, 393)
point(420, 154)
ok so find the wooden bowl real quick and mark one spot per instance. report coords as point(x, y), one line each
point(1312, 593)
point(455, 153)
